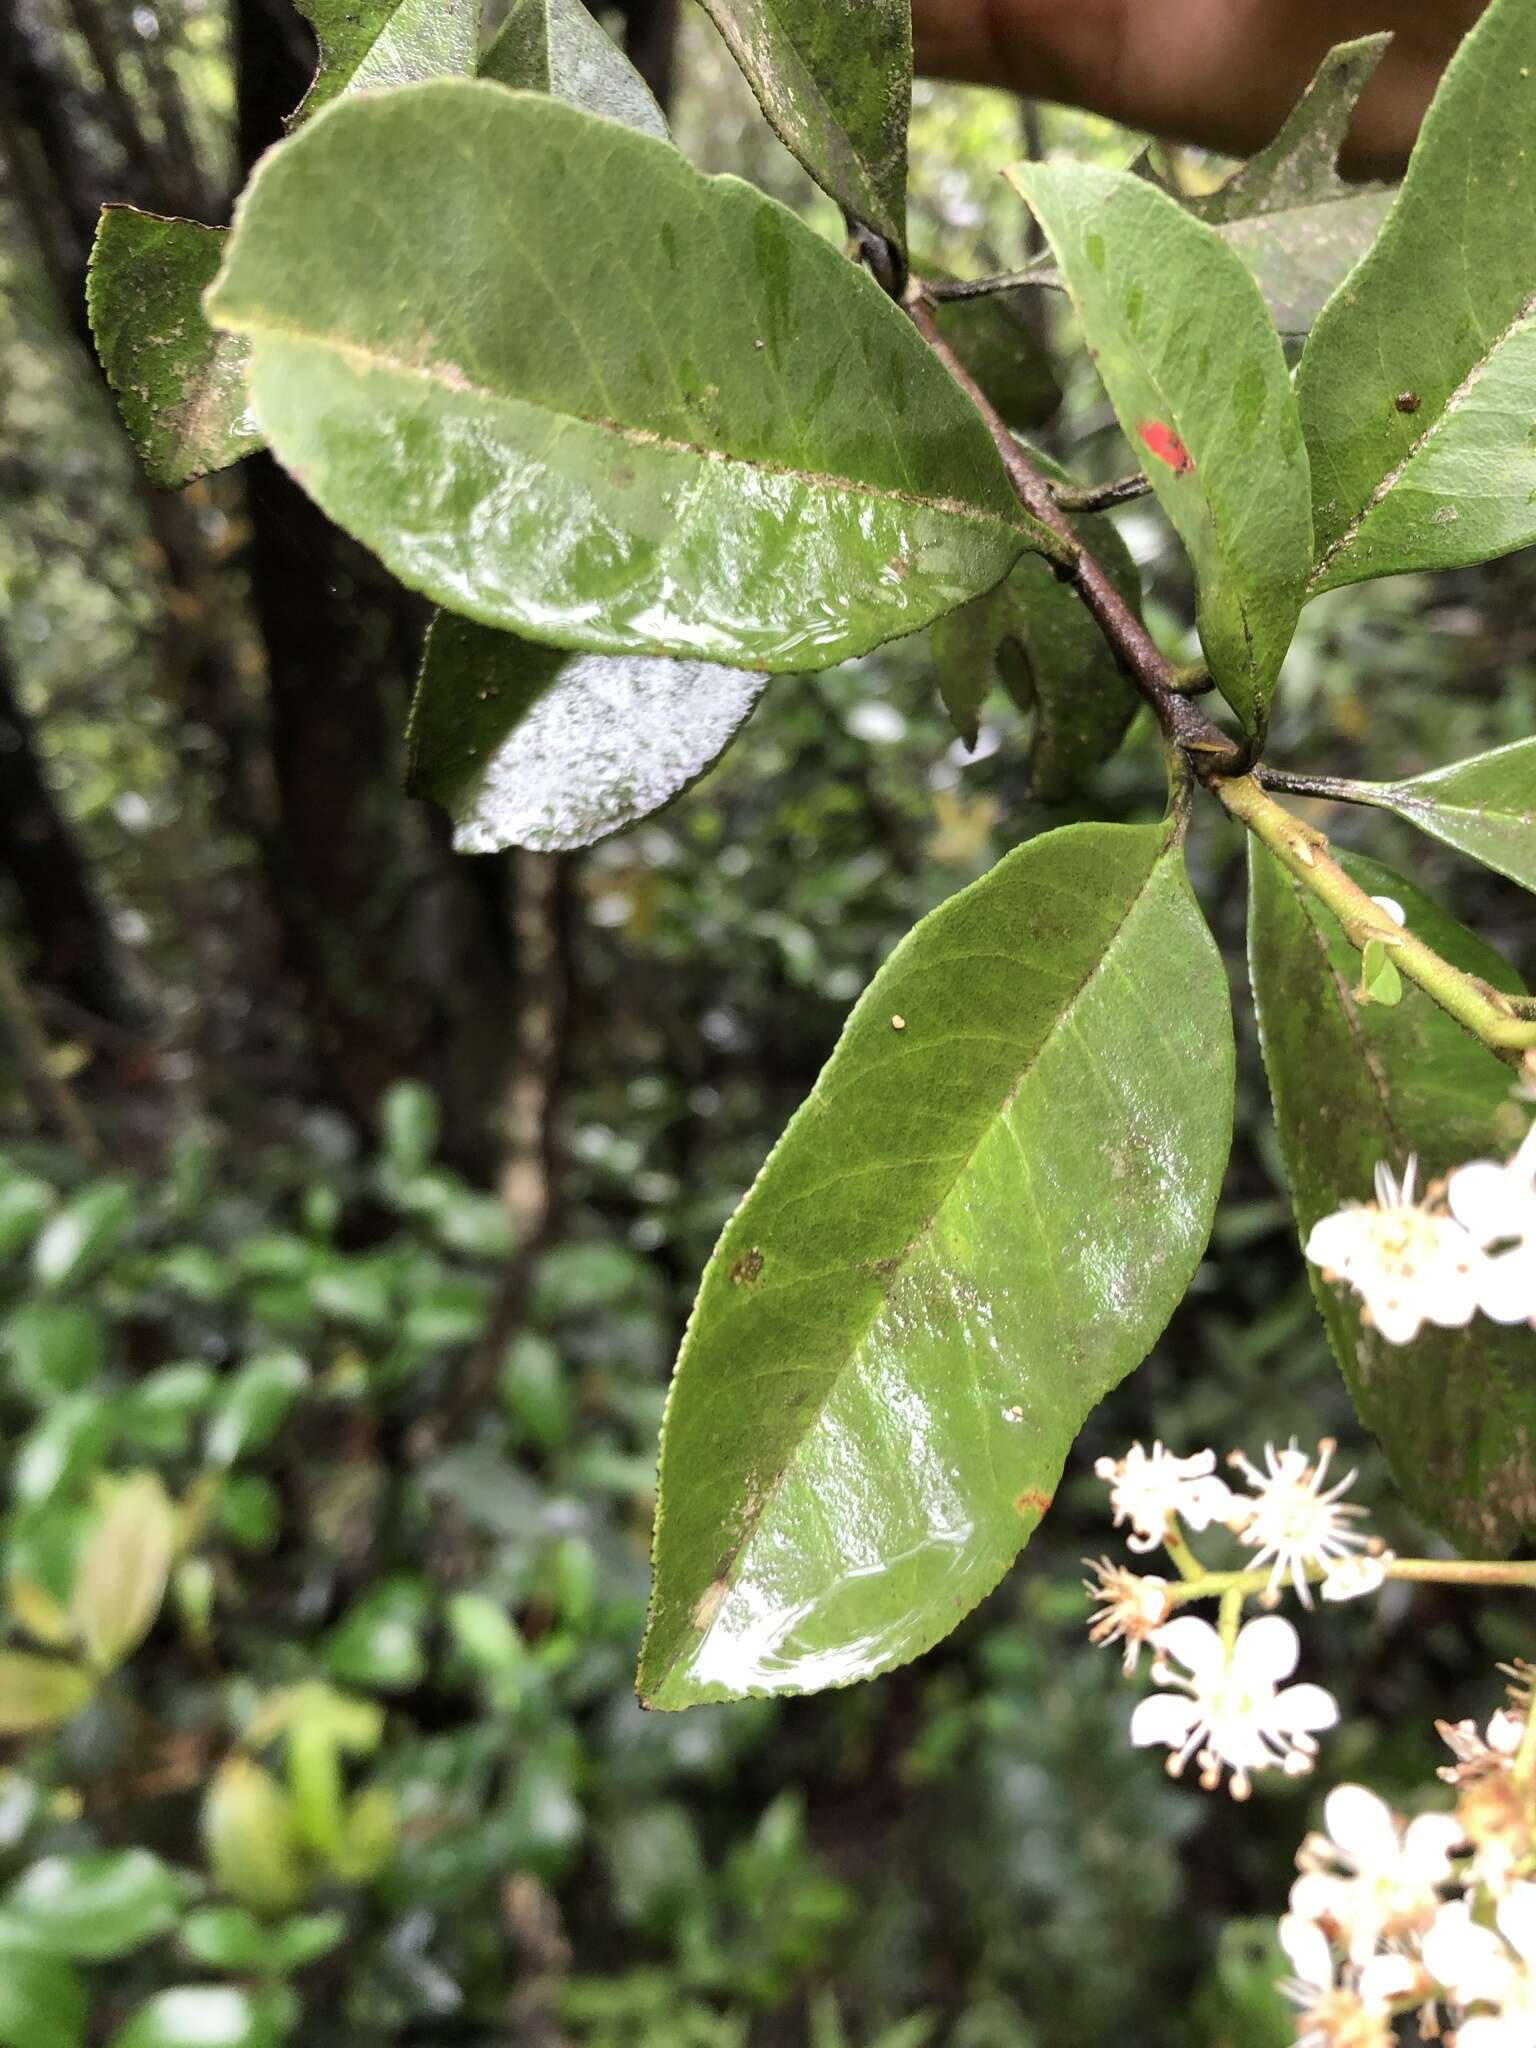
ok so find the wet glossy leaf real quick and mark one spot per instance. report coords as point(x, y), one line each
point(1357, 1084)
point(525, 745)
point(95, 1906)
point(201, 2016)
point(84, 1234)
point(739, 448)
point(977, 1225)
point(180, 386)
point(39, 1692)
point(1298, 226)
point(1485, 807)
point(1415, 386)
point(367, 45)
point(1033, 634)
point(834, 78)
point(42, 2000)
point(555, 46)
point(1195, 372)
point(124, 1569)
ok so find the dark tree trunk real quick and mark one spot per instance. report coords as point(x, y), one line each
point(400, 944)
point(650, 40)
point(72, 947)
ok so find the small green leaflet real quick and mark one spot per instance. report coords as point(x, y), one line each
point(1287, 213)
point(1358, 1084)
point(180, 386)
point(1380, 981)
point(367, 45)
point(555, 46)
point(1193, 367)
point(1033, 635)
point(1485, 807)
point(525, 745)
point(735, 448)
point(977, 1225)
point(1415, 387)
point(834, 78)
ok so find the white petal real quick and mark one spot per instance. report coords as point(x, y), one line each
point(1194, 1644)
point(1335, 1239)
point(1266, 1651)
point(1303, 1710)
point(1166, 1717)
point(1492, 2030)
point(1470, 1959)
point(1506, 1287)
point(1306, 1947)
point(1399, 1318)
point(1317, 1896)
point(1482, 1198)
point(1516, 1915)
point(1362, 1825)
point(1204, 1501)
point(1430, 1842)
point(1385, 1979)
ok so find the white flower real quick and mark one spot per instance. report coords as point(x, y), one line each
point(1478, 1755)
point(1478, 1968)
point(1496, 1206)
point(1409, 1263)
point(1131, 1607)
point(1151, 1489)
point(1234, 1716)
point(1335, 2014)
point(1369, 1879)
point(1289, 1521)
point(1353, 1577)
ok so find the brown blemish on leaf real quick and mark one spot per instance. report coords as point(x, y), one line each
point(1407, 401)
point(1031, 1501)
point(747, 1267)
point(709, 1604)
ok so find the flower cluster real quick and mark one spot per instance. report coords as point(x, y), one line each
point(1467, 1245)
point(1434, 1917)
point(1223, 1700)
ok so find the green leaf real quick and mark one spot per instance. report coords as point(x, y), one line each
point(555, 46)
point(1355, 1085)
point(976, 1226)
point(39, 1692)
point(1195, 372)
point(96, 1906)
point(529, 746)
point(834, 78)
point(180, 386)
point(1298, 226)
point(378, 1641)
point(256, 1405)
point(25, 1206)
point(1380, 981)
point(1485, 807)
point(992, 336)
point(42, 2000)
point(202, 2015)
point(368, 45)
point(124, 1569)
point(82, 1237)
point(1415, 386)
point(53, 1348)
point(252, 1838)
point(737, 449)
point(1033, 634)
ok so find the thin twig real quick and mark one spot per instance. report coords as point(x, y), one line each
point(1138, 654)
point(943, 291)
point(1100, 497)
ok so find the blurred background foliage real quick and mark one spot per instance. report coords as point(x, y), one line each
point(351, 1200)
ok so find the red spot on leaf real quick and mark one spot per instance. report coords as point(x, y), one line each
point(1165, 444)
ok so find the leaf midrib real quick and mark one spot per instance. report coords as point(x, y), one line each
point(455, 381)
point(726, 1575)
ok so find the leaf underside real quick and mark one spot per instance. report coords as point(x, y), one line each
point(736, 449)
point(555, 46)
point(530, 746)
point(1415, 387)
point(978, 1223)
point(180, 386)
point(1355, 1085)
point(372, 45)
